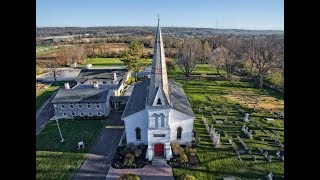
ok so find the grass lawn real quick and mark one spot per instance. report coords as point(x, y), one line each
point(102, 62)
point(43, 94)
point(198, 70)
point(56, 160)
point(223, 162)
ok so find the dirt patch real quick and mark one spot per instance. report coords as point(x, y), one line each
point(256, 101)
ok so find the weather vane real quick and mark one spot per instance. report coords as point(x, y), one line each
point(158, 18)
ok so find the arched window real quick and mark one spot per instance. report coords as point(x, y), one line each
point(138, 134)
point(159, 102)
point(179, 131)
point(162, 120)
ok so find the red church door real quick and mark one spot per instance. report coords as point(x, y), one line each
point(159, 149)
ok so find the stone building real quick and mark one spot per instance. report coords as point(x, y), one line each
point(158, 111)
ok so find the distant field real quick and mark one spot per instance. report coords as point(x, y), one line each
point(198, 70)
point(56, 160)
point(102, 62)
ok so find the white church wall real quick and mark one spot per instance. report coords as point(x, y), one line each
point(133, 121)
point(178, 119)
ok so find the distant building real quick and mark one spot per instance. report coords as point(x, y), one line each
point(96, 93)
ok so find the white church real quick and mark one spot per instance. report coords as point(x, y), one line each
point(158, 111)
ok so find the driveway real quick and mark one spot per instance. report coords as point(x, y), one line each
point(97, 164)
point(64, 74)
point(44, 114)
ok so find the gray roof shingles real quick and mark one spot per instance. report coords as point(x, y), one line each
point(81, 95)
point(137, 101)
point(86, 74)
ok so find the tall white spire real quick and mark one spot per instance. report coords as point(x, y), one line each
point(159, 78)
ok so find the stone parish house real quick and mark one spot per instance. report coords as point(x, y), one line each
point(96, 93)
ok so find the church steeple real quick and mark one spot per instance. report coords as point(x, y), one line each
point(159, 78)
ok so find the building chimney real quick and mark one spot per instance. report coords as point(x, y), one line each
point(66, 86)
point(114, 77)
point(96, 85)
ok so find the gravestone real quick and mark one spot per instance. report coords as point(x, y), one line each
point(219, 122)
point(270, 158)
point(282, 158)
point(261, 150)
point(249, 152)
point(230, 141)
point(278, 153)
point(254, 158)
point(269, 176)
point(246, 118)
point(265, 153)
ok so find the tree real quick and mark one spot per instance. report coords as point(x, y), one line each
point(132, 58)
point(265, 54)
point(216, 58)
point(189, 54)
point(206, 50)
point(231, 53)
point(171, 65)
point(53, 65)
point(71, 55)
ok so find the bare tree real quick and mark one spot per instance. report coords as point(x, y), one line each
point(216, 58)
point(265, 54)
point(206, 50)
point(71, 55)
point(189, 54)
point(231, 53)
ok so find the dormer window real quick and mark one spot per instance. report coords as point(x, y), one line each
point(159, 102)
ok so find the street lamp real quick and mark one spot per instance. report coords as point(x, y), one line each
point(56, 119)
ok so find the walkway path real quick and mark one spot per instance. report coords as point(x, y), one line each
point(149, 172)
point(97, 164)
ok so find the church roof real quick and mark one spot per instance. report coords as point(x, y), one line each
point(137, 101)
point(81, 95)
point(86, 74)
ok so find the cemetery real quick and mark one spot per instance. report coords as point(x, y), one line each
point(236, 138)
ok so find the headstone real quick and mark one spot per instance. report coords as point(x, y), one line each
point(269, 176)
point(270, 158)
point(80, 145)
point(230, 141)
point(219, 122)
point(261, 150)
point(249, 152)
point(282, 158)
point(278, 153)
point(265, 153)
point(246, 118)
point(239, 157)
point(254, 158)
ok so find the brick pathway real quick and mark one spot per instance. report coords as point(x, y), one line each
point(152, 172)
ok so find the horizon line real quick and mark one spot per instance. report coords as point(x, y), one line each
point(161, 26)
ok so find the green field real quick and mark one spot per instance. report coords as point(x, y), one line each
point(43, 95)
point(223, 162)
point(56, 160)
point(198, 70)
point(102, 62)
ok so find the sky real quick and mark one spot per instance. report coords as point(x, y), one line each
point(222, 14)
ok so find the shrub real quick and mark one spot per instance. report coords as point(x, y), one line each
point(129, 177)
point(141, 146)
point(181, 151)
point(190, 152)
point(125, 151)
point(175, 148)
point(183, 158)
point(129, 159)
point(133, 148)
point(137, 152)
point(186, 177)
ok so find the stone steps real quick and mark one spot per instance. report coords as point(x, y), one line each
point(158, 161)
